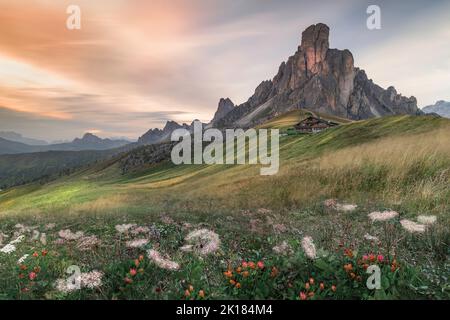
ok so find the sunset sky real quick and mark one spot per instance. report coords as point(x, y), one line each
point(138, 63)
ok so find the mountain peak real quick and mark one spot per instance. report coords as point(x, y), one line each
point(89, 137)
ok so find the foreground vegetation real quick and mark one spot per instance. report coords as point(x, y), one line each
point(398, 164)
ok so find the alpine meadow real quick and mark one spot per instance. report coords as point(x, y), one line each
point(356, 208)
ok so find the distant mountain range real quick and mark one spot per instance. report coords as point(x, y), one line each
point(87, 142)
point(17, 137)
point(441, 108)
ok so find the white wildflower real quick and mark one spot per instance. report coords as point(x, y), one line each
point(138, 230)
point(87, 243)
point(412, 227)
point(283, 249)
point(368, 237)
point(8, 248)
point(19, 239)
point(427, 220)
point(161, 262)
point(346, 207)
point(123, 228)
point(22, 259)
point(203, 241)
point(90, 280)
point(43, 239)
point(50, 226)
point(309, 247)
point(382, 216)
point(137, 243)
point(69, 235)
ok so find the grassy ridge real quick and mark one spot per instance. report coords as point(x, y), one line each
point(385, 159)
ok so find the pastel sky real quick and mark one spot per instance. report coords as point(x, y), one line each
point(137, 63)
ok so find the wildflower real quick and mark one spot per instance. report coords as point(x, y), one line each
point(260, 265)
point(8, 248)
point(238, 270)
point(346, 207)
point(251, 265)
point(23, 267)
point(138, 230)
point(274, 272)
point(333, 288)
point(412, 227)
point(244, 264)
point(348, 267)
point(348, 253)
point(365, 257)
point(43, 239)
point(187, 293)
point(427, 220)
point(201, 294)
point(372, 257)
point(311, 281)
point(322, 286)
point(303, 296)
point(69, 235)
point(238, 285)
point(21, 276)
point(141, 258)
point(380, 258)
point(330, 203)
point(232, 282)
point(228, 274)
point(137, 243)
point(245, 274)
point(283, 249)
point(87, 243)
point(32, 275)
point(191, 288)
point(133, 272)
point(382, 216)
point(37, 269)
point(309, 247)
point(44, 252)
point(50, 226)
point(123, 228)
point(307, 286)
point(365, 266)
point(91, 279)
point(353, 275)
point(161, 262)
point(128, 280)
point(23, 258)
point(35, 254)
point(311, 294)
point(368, 237)
point(203, 241)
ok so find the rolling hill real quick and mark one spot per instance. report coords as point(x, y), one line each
point(391, 158)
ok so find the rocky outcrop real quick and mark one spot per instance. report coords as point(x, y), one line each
point(319, 79)
point(441, 108)
point(154, 136)
point(224, 107)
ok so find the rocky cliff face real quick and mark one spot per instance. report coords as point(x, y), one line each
point(319, 79)
point(225, 106)
point(154, 136)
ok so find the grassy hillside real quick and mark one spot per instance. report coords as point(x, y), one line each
point(399, 163)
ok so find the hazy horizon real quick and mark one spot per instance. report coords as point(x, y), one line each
point(135, 64)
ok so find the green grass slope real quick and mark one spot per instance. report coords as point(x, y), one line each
point(383, 157)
